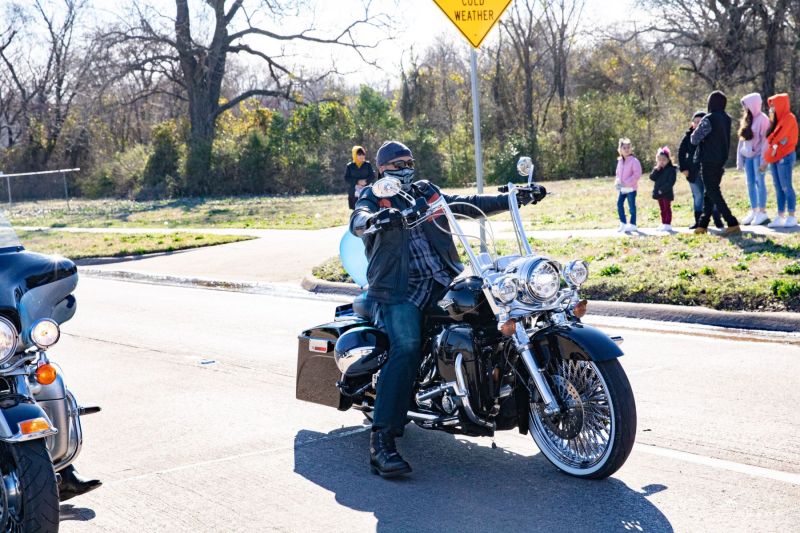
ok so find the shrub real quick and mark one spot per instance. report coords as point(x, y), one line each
point(610, 270)
point(163, 163)
point(785, 290)
point(121, 176)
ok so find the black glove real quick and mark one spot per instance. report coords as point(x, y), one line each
point(535, 194)
point(386, 219)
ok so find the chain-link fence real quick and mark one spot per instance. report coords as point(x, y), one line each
point(30, 186)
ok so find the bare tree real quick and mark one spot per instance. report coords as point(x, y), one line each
point(562, 18)
point(202, 63)
point(523, 25)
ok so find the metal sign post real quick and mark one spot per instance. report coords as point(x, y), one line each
point(474, 19)
point(8, 184)
point(476, 127)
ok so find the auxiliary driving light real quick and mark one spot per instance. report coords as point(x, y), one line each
point(46, 374)
point(8, 339)
point(45, 333)
point(576, 273)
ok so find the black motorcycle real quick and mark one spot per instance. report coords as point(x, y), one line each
point(504, 349)
point(40, 429)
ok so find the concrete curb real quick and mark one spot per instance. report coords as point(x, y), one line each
point(780, 322)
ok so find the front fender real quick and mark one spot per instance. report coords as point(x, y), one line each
point(16, 409)
point(575, 341)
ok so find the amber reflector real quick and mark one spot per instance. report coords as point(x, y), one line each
point(46, 374)
point(33, 426)
point(580, 309)
point(508, 328)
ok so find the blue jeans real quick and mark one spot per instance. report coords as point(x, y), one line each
point(403, 324)
point(756, 185)
point(631, 196)
point(697, 193)
point(782, 178)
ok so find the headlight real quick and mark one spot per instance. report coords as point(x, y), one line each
point(505, 289)
point(45, 333)
point(8, 339)
point(543, 281)
point(576, 273)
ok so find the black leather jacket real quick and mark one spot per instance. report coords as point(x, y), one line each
point(387, 250)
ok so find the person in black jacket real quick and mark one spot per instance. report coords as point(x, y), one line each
point(713, 140)
point(663, 176)
point(408, 271)
point(691, 172)
point(358, 174)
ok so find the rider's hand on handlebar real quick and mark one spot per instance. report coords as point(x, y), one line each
point(534, 194)
point(386, 219)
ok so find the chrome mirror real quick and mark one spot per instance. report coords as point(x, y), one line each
point(386, 187)
point(525, 168)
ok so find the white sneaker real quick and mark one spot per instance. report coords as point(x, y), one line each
point(630, 227)
point(621, 227)
point(666, 227)
point(790, 222)
point(749, 218)
point(759, 219)
point(777, 223)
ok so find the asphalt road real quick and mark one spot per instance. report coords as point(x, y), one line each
point(200, 431)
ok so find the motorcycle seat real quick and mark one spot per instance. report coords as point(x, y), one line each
point(363, 307)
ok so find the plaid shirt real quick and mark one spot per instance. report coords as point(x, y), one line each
point(425, 269)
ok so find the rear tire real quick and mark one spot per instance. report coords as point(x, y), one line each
point(29, 493)
point(595, 436)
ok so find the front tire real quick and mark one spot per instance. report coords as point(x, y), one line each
point(595, 432)
point(29, 493)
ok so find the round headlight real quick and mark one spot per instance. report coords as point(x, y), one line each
point(505, 289)
point(8, 339)
point(544, 281)
point(45, 333)
point(576, 273)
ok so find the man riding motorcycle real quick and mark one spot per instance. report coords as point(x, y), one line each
point(408, 271)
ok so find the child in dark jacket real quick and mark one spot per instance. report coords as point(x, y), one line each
point(691, 170)
point(663, 176)
point(713, 140)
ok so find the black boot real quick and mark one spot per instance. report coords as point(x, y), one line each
point(383, 457)
point(72, 484)
point(696, 218)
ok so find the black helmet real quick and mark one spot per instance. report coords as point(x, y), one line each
point(361, 351)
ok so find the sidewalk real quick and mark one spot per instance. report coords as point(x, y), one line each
point(280, 261)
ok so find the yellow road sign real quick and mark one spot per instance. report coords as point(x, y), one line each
point(473, 18)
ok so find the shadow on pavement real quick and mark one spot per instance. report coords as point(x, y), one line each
point(459, 486)
point(79, 514)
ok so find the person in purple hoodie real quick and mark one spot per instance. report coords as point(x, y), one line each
point(629, 171)
point(753, 129)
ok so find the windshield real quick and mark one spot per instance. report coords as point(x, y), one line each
point(8, 237)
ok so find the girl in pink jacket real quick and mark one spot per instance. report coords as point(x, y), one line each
point(752, 142)
point(629, 171)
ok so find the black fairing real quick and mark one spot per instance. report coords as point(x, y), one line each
point(22, 271)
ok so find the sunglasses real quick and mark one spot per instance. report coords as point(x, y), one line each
point(402, 164)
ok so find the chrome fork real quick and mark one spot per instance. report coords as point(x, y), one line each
point(521, 341)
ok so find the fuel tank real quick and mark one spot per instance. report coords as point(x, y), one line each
point(466, 302)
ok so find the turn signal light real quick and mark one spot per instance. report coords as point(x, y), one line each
point(508, 328)
point(580, 309)
point(46, 374)
point(33, 426)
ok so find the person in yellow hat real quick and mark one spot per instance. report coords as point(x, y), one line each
point(358, 174)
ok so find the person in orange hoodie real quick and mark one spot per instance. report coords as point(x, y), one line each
point(779, 153)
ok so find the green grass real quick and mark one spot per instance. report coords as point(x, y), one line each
point(751, 272)
point(571, 204)
point(86, 245)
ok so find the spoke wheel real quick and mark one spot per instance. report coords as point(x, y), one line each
point(594, 433)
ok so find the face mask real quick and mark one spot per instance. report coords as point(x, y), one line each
point(406, 176)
